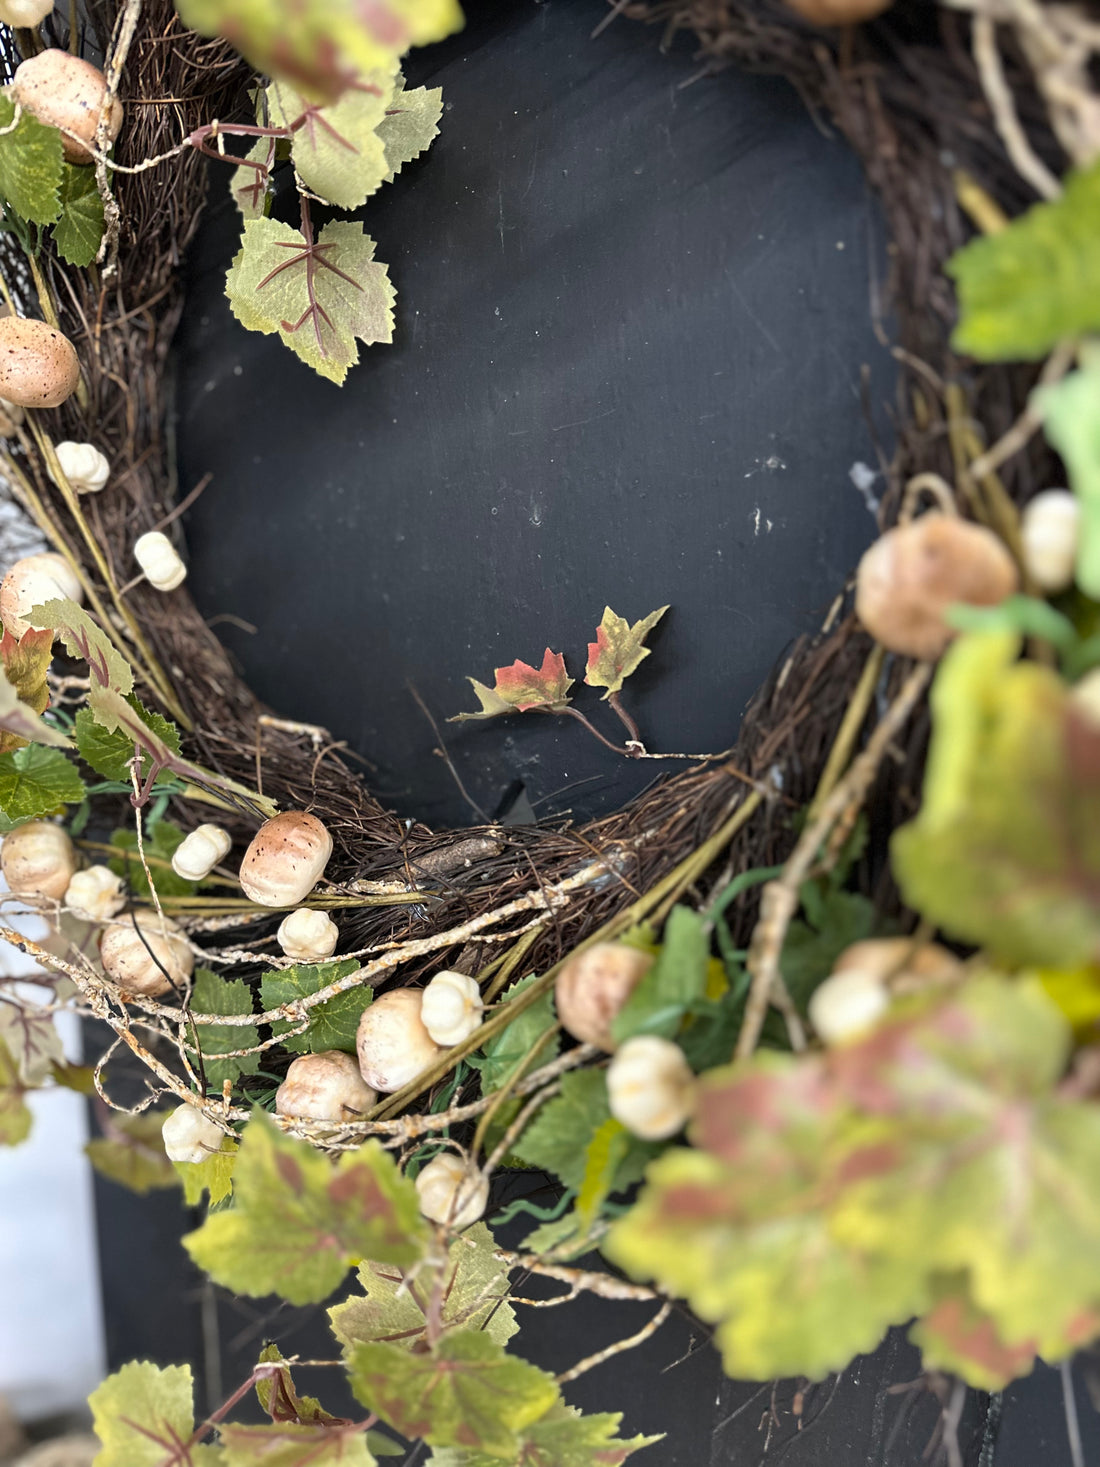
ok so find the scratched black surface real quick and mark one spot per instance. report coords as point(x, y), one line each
point(632, 316)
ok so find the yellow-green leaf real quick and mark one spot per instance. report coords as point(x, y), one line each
point(619, 649)
point(30, 165)
point(336, 149)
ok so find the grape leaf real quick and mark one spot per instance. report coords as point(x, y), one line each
point(32, 1039)
point(109, 752)
point(410, 124)
point(619, 649)
point(213, 1175)
point(561, 1438)
point(559, 1137)
point(812, 947)
point(30, 165)
point(1071, 421)
point(520, 687)
point(319, 297)
point(250, 186)
point(19, 721)
point(290, 1444)
point(35, 781)
point(318, 44)
point(142, 1413)
point(503, 1052)
point(465, 1392)
point(1005, 851)
point(1025, 288)
point(332, 1025)
point(298, 1222)
point(160, 841)
point(336, 149)
point(956, 1337)
point(79, 231)
point(831, 1194)
point(131, 1152)
point(26, 661)
point(85, 639)
point(212, 994)
point(278, 1396)
point(678, 977)
point(472, 1283)
point(15, 1117)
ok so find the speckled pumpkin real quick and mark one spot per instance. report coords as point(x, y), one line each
point(39, 367)
point(286, 859)
point(65, 91)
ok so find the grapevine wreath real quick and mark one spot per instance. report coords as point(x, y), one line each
point(807, 1034)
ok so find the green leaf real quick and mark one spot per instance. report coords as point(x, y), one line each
point(466, 1392)
point(26, 661)
point(812, 948)
point(86, 640)
point(160, 841)
point(213, 1175)
point(131, 1152)
point(289, 1444)
point(1071, 420)
point(212, 994)
point(559, 1137)
point(336, 149)
point(1005, 852)
point(678, 977)
point(35, 781)
point(503, 1052)
point(410, 124)
point(832, 1194)
point(317, 44)
point(142, 1413)
point(520, 687)
point(602, 1160)
point(30, 166)
point(79, 231)
point(472, 1283)
point(19, 717)
point(279, 1397)
point(318, 297)
point(561, 1438)
point(332, 1025)
point(1023, 290)
point(108, 753)
point(29, 1031)
point(15, 1117)
point(957, 1338)
point(299, 1222)
point(619, 650)
point(251, 187)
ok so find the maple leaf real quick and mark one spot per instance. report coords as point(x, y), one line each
point(521, 687)
point(619, 649)
point(298, 1222)
point(318, 296)
point(336, 149)
point(320, 44)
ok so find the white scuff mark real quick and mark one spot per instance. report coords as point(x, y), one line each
point(759, 518)
point(863, 476)
point(769, 465)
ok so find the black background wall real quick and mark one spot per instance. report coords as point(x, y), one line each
point(632, 317)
